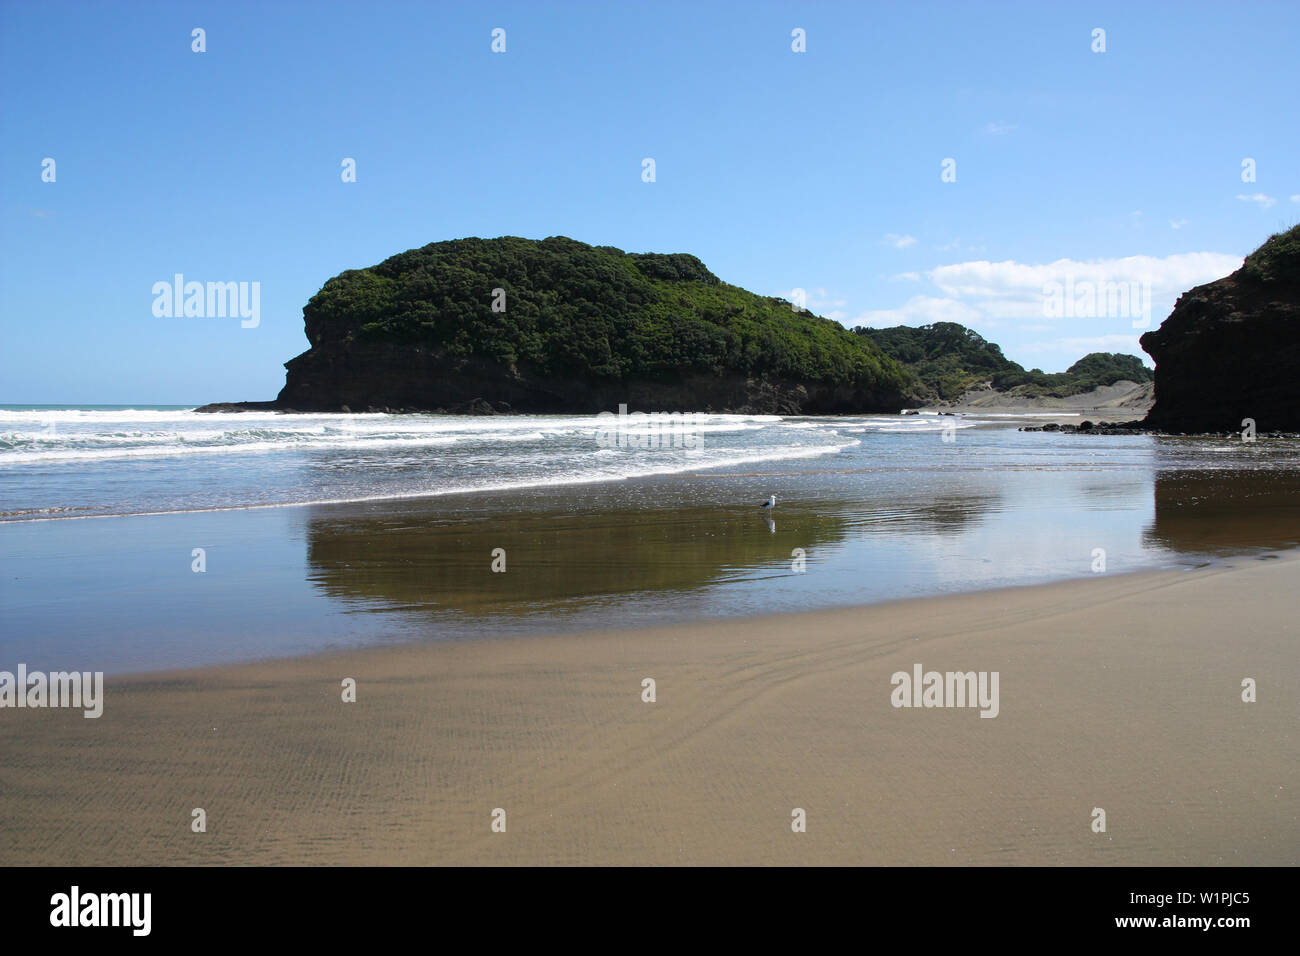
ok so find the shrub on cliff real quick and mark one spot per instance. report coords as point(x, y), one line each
point(1277, 259)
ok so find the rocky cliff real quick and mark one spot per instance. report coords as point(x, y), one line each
point(409, 378)
point(1230, 350)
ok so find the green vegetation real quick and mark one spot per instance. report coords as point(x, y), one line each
point(1092, 371)
point(1278, 258)
point(947, 359)
point(598, 314)
point(590, 313)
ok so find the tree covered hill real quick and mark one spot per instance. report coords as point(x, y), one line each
point(575, 328)
point(946, 359)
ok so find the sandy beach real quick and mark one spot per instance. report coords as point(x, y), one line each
point(1120, 692)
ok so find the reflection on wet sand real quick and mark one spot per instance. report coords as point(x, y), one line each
point(524, 561)
point(948, 515)
point(548, 559)
point(1225, 512)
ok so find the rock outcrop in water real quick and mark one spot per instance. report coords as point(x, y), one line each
point(1230, 350)
point(557, 326)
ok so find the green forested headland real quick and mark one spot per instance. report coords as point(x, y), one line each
point(590, 313)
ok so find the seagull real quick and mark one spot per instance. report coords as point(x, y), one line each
point(769, 503)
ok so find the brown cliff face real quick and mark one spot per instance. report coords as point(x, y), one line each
point(1230, 350)
point(402, 377)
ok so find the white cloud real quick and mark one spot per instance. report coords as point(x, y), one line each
point(899, 242)
point(1259, 199)
point(984, 295)
point(907, 277)
point(1084, 345)
point(1177, 223)
point(970, 250)
point(998, 283)
point(1296, 198)
point(998, 129)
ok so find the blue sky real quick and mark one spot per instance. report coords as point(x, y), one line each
point(818, 170)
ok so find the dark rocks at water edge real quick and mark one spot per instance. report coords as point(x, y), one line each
point(475, 406)
point(1091, 428)
point(559, 326)
point(1139, 428)
point(241, 407)
point(1230, 350)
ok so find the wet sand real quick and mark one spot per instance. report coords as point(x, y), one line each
point(1121, 692)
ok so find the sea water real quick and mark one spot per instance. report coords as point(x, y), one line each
point(143, 538)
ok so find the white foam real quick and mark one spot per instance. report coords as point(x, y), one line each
point(562, 478)
point(1031, 414)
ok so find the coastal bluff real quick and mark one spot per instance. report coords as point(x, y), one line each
point(1230, 349)
point(557, 326)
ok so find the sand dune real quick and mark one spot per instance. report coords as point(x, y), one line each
point(1122, 402)
point(1118, 692)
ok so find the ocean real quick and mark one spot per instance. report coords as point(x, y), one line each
point(149, 538)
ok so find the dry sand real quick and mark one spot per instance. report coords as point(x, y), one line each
point(1118, 692)
point(1121, 402)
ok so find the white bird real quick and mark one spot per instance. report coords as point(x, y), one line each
point(769, 503)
